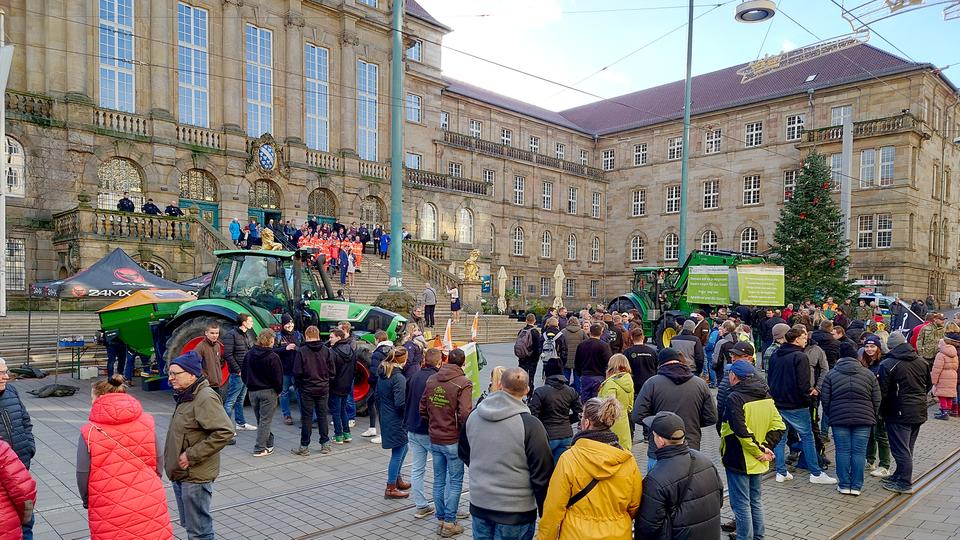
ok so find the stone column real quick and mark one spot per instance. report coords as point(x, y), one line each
point(78, 83)
point(293, 91)
point(56, 39)
point(348, 83)
point(35, 52)
point(162, 65)
point(470, 294)
point(233, 106)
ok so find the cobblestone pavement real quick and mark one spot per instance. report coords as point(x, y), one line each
point(339, 496)
point(934, 515)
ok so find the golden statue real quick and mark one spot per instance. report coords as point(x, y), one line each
point(471, 270)
point(268, 242)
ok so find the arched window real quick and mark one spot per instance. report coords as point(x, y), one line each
point(708, 241)
point(749, 240)
point(518, 241)
point(637, 246)
point(943, 238)
point(372, 211)
point(322, 203)
point(595, 249)
point(493, 239)
point(198, 185)
point(16, 169)
point(153, 268)
point(546, 245)
point(264, 194)
point(671, 247)
point(465, 226)
point(572, 247)
point(116, 176)
point(428, 222)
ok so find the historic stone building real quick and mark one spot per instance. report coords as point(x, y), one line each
point(280, 110)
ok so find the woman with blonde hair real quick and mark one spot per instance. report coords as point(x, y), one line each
point(619, 385)
point(119, 467)
point(495, 376)
point(392, 397)
point(595, 488)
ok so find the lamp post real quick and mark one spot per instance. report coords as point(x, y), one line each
point(396, 148)
point(751, 11)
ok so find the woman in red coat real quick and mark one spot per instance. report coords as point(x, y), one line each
point(18, 493)
point(119, 464)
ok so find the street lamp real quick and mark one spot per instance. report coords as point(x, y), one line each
point(750, 11)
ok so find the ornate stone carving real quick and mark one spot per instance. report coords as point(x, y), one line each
point(294, 19)
point(349, 38)
point(267, 157)
point(471, 270)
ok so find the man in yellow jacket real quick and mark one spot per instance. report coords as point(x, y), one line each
point(751, 429)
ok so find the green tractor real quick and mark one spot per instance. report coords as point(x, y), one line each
point(660, 293)
point(267, 285)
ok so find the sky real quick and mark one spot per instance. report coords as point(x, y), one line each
point(607, 48)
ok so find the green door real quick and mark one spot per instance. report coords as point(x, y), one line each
point(208, 211)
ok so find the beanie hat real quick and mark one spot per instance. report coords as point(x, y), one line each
point(896, 339)
point(689, 326)
point(667, 355)
point(742, 369)
point(952, 336)
point(285, 319)
point(872, 338)
point(190, 362)
point(780, 330)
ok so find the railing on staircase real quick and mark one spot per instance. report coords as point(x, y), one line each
point(207, 239)
point(430, 271)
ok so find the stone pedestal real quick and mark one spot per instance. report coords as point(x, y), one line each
point(470, 296)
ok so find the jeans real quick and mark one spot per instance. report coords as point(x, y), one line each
point(428, 316)
point(285, 395)
point(396, 462)
point(351, 405)
point(193, 504)
point(484, 529)
point(744, 491)
point(572, 378)
point(372, 407)
point(338, 410)
point(800, 420)
point(712, 375)
point(310, 405)
point(589, 386)
point(447, 481)
point(116, 355)
point(878, 448)
point(27, 528)
point(851, 454)
point(233, 404)
point(264, 406)
point(130, 365)
point(902, 438)
point(419, 445)
point(557, 447)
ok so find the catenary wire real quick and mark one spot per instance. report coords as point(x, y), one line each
point(867, 26)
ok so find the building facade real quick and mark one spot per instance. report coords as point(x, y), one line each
point(280, 110)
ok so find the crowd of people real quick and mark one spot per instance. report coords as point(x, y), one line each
point(554, 460)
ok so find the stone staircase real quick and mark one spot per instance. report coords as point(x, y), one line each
point(43, 338)
point(375, 276)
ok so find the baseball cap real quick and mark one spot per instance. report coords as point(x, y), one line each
point(667, 425)
point(742, 369)
point(742, 348)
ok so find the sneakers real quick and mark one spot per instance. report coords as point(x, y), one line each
point(448, 530)
point(325, 448)
point(729, 527)
point(942, 415)
point(424, 512)
point(855, 492)
point(352, 423)
point(338, 439)
point(781, 478)
point(371, 432)
point(376, 440)
point(300, 451)
point(880, 472)
point(264, 452)
point(288, 420)
point(870, 467)
point(843, 491)
point(246, 427)
point(895, 487)
point(822, 478)
point(347, 438)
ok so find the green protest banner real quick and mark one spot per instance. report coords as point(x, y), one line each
point(708, 285)
point(757, 285)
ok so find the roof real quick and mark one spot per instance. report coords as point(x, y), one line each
point(722, 89)
point(509, 103)
point(416, 10)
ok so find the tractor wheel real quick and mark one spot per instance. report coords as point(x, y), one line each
point(186, 336)
point(361, 387)
point(664, 334)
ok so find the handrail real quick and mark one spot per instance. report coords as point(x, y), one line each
point(865, 128)
point(207, 239)
point(429, 270)
point(497, 149)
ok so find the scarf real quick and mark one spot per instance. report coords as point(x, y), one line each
point(188, 393)
point(600, 435)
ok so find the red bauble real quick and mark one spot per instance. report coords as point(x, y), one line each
point(815, 201)
point(833, 262)
point(825, 185)
point(803, 215)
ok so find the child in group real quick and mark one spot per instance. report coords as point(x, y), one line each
point(944, 374)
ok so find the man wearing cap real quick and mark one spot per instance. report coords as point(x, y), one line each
point(690, 345)
point(674, 388)
point(751, 428)
point(199, 429)
point(777, 333)
point(682, 495)
point(743, 351)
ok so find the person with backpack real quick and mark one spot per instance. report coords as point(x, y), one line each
point(527, 348)
point(553, 345)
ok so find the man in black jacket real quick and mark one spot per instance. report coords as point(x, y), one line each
point(529, 361)
point(590, 363)
point(150, 209)
point(341, 387)
point(847, 349)
point(262, 372)
point(236, 343)
point(313, 368)
point(689, 345)
point(766, 328)
point(642, 359)
point(557, 405)
point(904, 383)
point(823, 337)
point(682, 494)
point(125, 204)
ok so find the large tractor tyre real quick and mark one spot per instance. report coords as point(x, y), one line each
point(664, 334)
point(189, 334)
point(362, 389)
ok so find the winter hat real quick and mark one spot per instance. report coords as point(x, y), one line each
point(742, 369)
point(667, 355)
point(872, 338)
point(552, 367)
point(896, 339)
point(689, 326)
point(780, 330)
point(285, 319)
point(190, 362)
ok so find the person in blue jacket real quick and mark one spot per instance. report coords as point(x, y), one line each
point(235, 231)
point(384, 244)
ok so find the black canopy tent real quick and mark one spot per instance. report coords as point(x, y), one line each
point(114, 276)
point(198, 282)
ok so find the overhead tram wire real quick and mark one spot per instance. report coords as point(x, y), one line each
point(767, 33)
point(868, 27)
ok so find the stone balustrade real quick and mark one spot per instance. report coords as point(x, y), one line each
point(414, 258)
point(112, 224)
point(121, 122)
point(196, 136)
point(866, 128)
point(373, 169)
point(502, 150)
point(443, 182)
point(435, 251)
point(29, 106)
point(324, 160)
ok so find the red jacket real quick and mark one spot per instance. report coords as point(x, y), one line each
point(124, 491)
point(16, 487)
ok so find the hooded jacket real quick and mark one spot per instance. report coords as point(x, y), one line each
point(287, 358)
point(643, 364)
point(200, 427)
point(904, 383)
point(345, 363)
point(608, 510)
point(446, 403)
point(829, 344)
point(928, 339)
point(236, 343)
point(944, 374)
point(850, 395)
point(15, 425)
point(392, 403)
point(511, 468)
point(572, 336)
point(751, 420)
point(819, 367)
point(675, 389)
point(557, 405)
point(19, 490)
point(119, 468)
point(313, 368)
point(212, 361)
point(412, 420)
point(620, 386)
point(379, 355)
point(789, 377)
point(262, 370)
point(682, 497)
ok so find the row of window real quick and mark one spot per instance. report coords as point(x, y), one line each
point(546, 245)
point(749, 243)
point(546, 197)
point(546, 288)
point(475, 129)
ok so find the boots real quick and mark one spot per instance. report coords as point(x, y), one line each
point(956, 410)
point(393, 493)
point(402, 484)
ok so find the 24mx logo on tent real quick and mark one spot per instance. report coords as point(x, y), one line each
point(128, 275)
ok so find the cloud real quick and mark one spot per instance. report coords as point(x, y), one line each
point(787, 45)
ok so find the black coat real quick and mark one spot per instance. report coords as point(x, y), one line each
point(850, 394)
point(766, 328)
point(829, 344)
point(262, 370)
point(643, 364)
point(285, 338)
point(392, 402)
point(904, 383)
point(676, 389)
point(557, 405)
point(313, 368)
point(788, 376)
point(235, 347)
point(673, 507)
point(16, 429)
point(345, 362)
point(848, 349)
point(591, 358)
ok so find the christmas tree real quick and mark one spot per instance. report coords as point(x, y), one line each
point(809, 238)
